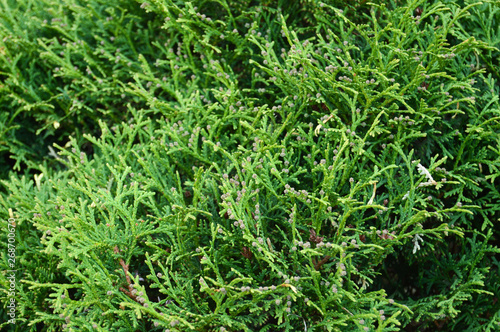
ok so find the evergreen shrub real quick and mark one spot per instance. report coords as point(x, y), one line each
point(220, 165)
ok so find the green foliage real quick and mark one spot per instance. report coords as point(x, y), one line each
point(251, 166)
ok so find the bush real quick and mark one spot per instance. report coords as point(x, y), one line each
point(251, 166)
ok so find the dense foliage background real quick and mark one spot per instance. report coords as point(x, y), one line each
point(251, 165)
